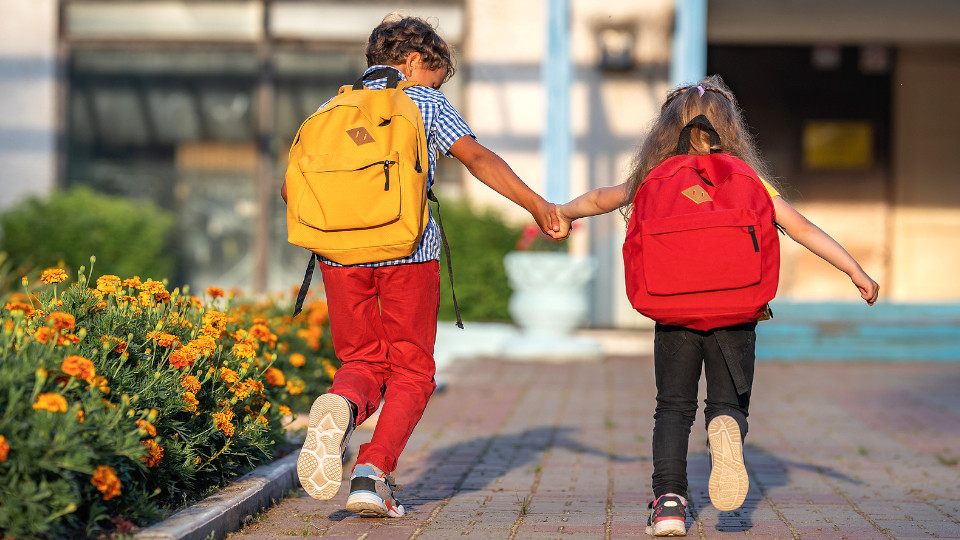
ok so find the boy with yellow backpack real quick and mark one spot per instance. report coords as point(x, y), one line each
point(356, 189)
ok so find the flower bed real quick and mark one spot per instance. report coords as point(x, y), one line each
point(121, 401)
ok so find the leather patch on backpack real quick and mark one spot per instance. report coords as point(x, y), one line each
point(360, 135)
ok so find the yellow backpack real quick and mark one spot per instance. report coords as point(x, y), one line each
point(357, 176)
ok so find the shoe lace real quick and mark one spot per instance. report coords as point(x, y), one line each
point(388, 478)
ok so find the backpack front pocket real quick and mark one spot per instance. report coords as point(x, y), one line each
point(346, 193)
point(692, 253)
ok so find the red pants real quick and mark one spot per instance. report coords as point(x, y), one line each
point(383, 322)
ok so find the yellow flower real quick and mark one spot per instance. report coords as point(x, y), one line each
point(4, 448)
point(154, 453)
point(295, 387)
point(228, 375)
point(50, 402)
point(275, 377)
point(78, 366)
point(297, 360)
point(108, 284)
point(105, 480)
point(100, 383)
point(132, 282)
point(53, 275)
point(164, 339)
point(191, 383)
point(243, 350)
point(191, 399)
point(26, 308)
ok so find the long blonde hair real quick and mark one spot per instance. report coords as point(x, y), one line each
point(719, 105)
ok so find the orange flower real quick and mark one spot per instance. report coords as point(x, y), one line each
point(50, 402)
point(132, 282)
point(61, 320)
point(105, 480)
point(224, 423)
point(213, 323)
point(228, 375)
point(43, 334)
point(78, 366)
point(26, 308)
point(216, 292)
point(53, 275)
point(108, 284)
point(284, 410)
point(146, 428)
point(191, 383)
point(297, 360)
point(191, 399)
point(164, 339)
point(4, 448)
point(204, 344)
point(154, 453)
point(100, 383)
point(119, 345)
point(318, 313)
point(80, 416)
point(295, 387)
point(275, 377)
point(183, 357)
point(243, 350)
point(328, 368)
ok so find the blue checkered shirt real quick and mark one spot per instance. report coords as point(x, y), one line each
point(443, 126)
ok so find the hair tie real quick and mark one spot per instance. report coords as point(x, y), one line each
point(701, 89)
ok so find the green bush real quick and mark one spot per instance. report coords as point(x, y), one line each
point(478, 241)
point(130, 237)
point(120, 403)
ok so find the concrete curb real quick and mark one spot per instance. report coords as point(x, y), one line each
point(231, 507)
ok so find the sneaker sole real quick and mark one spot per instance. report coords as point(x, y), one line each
point(319, 465)
point(673, 527)
point(729, 481)
point(371, 506)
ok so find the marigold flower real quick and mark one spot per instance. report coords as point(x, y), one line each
point(100, 383)
point(191, 399)
point(164, 339)
point(183, 357)
point(105, 479)
point(318, 313)
point(284, 410)
point(204, 344)
point(50, 402)
point(328, 368)
point(154, 453)
point(79, 367)
point(275, 377)
point(26, 308)
point(43, 334)
point(118, 344)
point(61, 320)
point(295, 387)
point(228, 375)
point(241, 390)
point(53, 275)
point(213, 323)
point(108, 284)
point(224, 422)
point(191, 383)
point(80, 416)
point(243, 350)
point(216, 292)
point(146, 428)
point(63, 339)
point(4, 448)
point(132, 282)
point(297, 360)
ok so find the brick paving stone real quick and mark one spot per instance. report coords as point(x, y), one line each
point(516, 450)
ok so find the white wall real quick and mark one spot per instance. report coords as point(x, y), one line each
point(28, 99)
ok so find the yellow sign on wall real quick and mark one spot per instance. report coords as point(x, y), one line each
point(837, 144)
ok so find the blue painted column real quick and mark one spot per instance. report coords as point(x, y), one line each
point(688, 59)
point(556, 142)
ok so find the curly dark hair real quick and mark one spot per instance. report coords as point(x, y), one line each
point(398, 35)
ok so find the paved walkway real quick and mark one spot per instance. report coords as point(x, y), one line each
point(543, 451)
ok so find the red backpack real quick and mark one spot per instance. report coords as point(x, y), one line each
point(702, 249)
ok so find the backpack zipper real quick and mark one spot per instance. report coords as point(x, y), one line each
point(386, 171)
point(753, 236)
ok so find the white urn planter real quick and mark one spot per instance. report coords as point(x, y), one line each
point(549, 301)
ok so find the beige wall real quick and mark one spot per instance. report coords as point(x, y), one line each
point(926, 222)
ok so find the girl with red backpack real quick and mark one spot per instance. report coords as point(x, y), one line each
point(702, 120)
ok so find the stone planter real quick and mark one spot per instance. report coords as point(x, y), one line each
point(549, 301)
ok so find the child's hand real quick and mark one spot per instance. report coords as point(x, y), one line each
point(869, 290)
point(546, 218)
point(566, 222)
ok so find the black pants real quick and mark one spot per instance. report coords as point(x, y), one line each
point(727, 356)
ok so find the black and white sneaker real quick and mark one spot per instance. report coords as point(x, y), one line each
point(371, 493)
point(668, 516)
point(320, 464)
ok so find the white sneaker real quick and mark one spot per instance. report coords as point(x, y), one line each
point(320, 464)
point(729, 481)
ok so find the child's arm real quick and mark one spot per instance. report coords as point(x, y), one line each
point(493, 171)
point(805, 233)
point(592, 203)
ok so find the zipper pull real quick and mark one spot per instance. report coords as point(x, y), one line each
point(386, 174)
point(753, 236)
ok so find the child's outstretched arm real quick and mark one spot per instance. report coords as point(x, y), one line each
point(592, 203)
point(805, 233)
point(493, 171)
